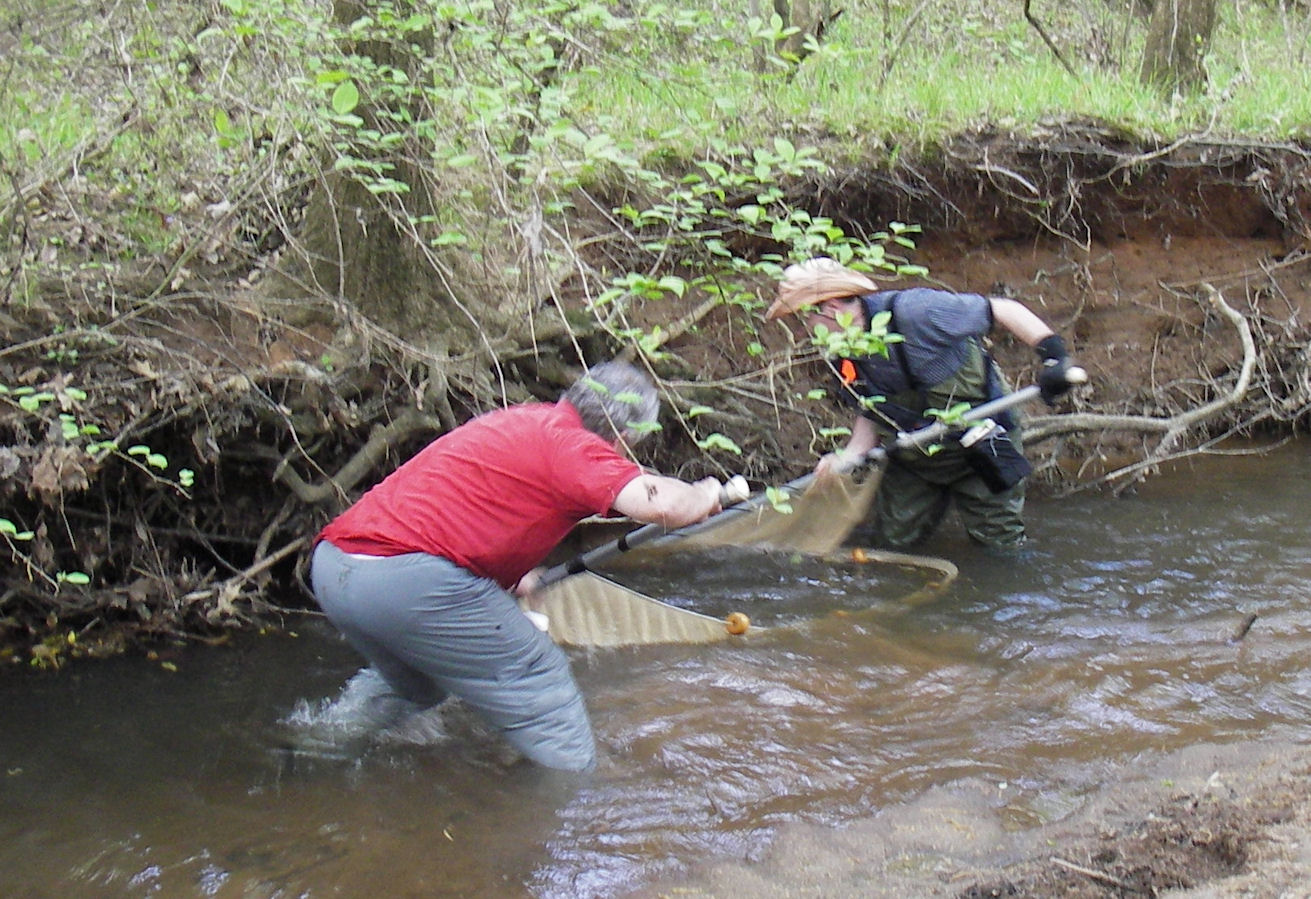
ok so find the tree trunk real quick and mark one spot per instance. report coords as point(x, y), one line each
point(810, 17)
point(354, 240)
point(1178, 37)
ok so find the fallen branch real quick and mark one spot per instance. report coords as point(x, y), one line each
point(1173, 428)
point(231, 586)
point(1046, 40)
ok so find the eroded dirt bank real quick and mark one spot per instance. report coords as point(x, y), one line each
point(1114, 244)
point(1180, 274)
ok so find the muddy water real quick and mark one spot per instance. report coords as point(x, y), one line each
point(1108, 641)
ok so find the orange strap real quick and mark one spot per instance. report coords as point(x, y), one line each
point(847, 372)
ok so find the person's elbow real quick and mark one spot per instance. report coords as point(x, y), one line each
point(668, 502)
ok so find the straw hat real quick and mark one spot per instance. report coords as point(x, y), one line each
point(812, 282)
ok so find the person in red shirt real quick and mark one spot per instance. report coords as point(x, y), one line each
point(419, 573)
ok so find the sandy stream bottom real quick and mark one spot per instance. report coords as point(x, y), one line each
point(1209, 822)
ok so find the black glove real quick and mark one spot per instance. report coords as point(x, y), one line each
point(1053, 380)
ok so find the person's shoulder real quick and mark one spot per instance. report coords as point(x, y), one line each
point(563, 426)
point(522, 419)
point(936, 300)
point(531, 411)
point(933, 295)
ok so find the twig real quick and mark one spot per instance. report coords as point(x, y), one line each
point(1046, 40)
point(258, 568)
point(1095, 875)
point(890, 57)
point(1243, 628)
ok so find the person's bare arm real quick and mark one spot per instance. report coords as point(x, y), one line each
point(669, 502)
point(1020, 320)
point(864, 437)
point(1055, 376)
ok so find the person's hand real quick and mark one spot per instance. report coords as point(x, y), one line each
point(714, 490)
point(834, 464)
point(530, 582)
point(1054, 379)
point(826, 467)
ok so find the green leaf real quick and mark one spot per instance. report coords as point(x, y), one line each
point(719, 441)
point(345, 98)
point(336, 76)
point(643, 427)
point(32, 402)
point(949, 415)
point(674, 285)
point(779, 499)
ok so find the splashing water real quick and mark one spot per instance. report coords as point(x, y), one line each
point(366, 713)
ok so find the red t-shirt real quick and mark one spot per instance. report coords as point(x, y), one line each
point(494, 496)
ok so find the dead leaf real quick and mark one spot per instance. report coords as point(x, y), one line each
point(143, 368)
point(60, 470)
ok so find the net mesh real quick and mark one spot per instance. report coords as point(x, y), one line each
point(587, 609)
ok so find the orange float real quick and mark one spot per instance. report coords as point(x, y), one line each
point(737, 623)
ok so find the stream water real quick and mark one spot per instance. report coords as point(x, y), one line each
point(1109, 639)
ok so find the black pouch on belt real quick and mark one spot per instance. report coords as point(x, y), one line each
point(994, 457)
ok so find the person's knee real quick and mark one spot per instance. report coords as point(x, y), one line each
point(1000, 534)
point(541, 713)
point(556, 734)
point(566, 744)
point(896, 529)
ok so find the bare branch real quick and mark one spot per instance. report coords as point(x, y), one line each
point(1172, 428)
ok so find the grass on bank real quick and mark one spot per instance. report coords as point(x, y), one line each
point(159, 105)
point(986, 69)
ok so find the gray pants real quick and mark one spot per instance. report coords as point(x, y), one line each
point(431, 628)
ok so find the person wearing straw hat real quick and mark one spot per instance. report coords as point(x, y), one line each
point(419, 573)
point(937, 360)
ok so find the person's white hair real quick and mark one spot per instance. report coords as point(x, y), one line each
point(615, 399)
